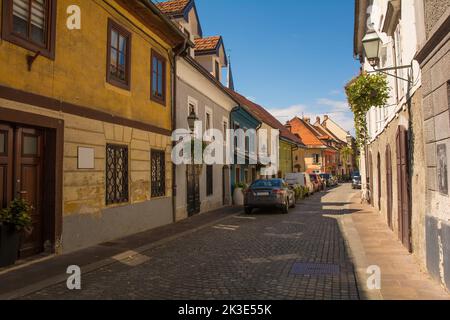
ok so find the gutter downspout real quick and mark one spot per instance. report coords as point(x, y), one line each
point(179, 51)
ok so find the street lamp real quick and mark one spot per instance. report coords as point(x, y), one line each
point(372, 43)
point(372, 47)
point(192, 118)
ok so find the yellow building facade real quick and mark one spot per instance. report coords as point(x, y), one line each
point(86, 118)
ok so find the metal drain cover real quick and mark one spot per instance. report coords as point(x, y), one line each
point(315, 269)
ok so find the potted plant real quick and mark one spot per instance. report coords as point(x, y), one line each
point(14, 221)
point(238, 194)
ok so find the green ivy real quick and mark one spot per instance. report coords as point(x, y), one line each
point(364, 92)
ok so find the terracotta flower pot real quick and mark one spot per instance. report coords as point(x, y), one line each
point(238, 197)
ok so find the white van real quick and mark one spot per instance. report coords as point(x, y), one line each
point(302, 179)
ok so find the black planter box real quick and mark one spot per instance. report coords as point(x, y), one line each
point(9, 245)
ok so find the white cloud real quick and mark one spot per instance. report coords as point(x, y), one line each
point(286, 114)
point(336, 105)
point(338, 110)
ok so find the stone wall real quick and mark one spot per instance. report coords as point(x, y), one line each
point(435, 64)
point(412, 120)
point(434, 10)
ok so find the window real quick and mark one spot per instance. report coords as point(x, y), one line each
point(209, 181)
point(116, 174)
point(217, 70)
point(158, 80)
point(119, 56)
point(30, 24)
point(316, 158)
point(208, 121)
point(246, 176)
point(158, 173)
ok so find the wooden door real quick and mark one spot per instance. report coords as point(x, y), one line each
point(193, 190)
point(6, 164)
point(371, 179)
point(403, 198)
point(389, 185)
point(28, 183)
point(379, 180)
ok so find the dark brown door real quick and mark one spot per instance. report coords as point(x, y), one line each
point(389, 185)
point(28, 183)
point(193, 190)
point(404, 215)
point(6, 165)
point(371, 178)
point(379, 180)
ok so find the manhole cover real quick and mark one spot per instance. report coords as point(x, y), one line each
point(314, 269)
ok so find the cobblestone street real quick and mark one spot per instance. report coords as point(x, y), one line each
point(267, 255)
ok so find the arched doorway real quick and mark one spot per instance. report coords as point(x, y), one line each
point(403, 197)
point(389, 184)
point(379, 180)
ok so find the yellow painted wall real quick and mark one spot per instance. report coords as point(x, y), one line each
point(78, 73)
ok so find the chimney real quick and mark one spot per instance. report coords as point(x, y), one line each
point(317, 120)
point(288, 126)
point(306, 119)
point(325, 118)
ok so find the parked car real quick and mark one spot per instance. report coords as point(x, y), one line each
point(316, 182)
point(301, 179)
point(356, 182)
point(271, 193)
point(329, 180)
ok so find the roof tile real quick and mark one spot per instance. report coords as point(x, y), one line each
point(206, 44)
point(173, 6)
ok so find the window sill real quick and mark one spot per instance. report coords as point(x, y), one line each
point(158, 100)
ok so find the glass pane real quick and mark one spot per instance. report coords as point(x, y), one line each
point(2, 142)
point(160, 85)
point(154, 83)
point(30, 145)
point(38, 21)
point(114, 39)
point(122, 44)
point(20, 16)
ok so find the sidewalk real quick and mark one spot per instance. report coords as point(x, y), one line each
point(30, 277)
point(371, 242)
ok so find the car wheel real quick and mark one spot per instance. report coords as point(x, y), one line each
point(248, 210)
point(285, 209)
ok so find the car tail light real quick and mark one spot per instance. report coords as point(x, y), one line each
point(279, 191)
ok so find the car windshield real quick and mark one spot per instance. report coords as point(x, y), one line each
point(267, 184)
point(325, 176)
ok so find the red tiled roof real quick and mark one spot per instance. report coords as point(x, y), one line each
point(265, 116)
point(309, 135)
point(206, 44)
point(173, 6)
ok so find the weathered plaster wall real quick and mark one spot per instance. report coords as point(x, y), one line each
point(413, 121)
point(434, 10)
point(86, 218)
point(78, 73)
point(436, 110)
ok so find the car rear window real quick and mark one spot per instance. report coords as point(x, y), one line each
point(267, 184)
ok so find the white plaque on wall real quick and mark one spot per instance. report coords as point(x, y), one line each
point(86, 158)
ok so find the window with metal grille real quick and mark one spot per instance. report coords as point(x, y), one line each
point(119, 51)
point(30, 24)
point(158, 173)
point(116, 174)
point(209, 181)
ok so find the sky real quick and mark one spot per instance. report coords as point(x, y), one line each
point(293, 57)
